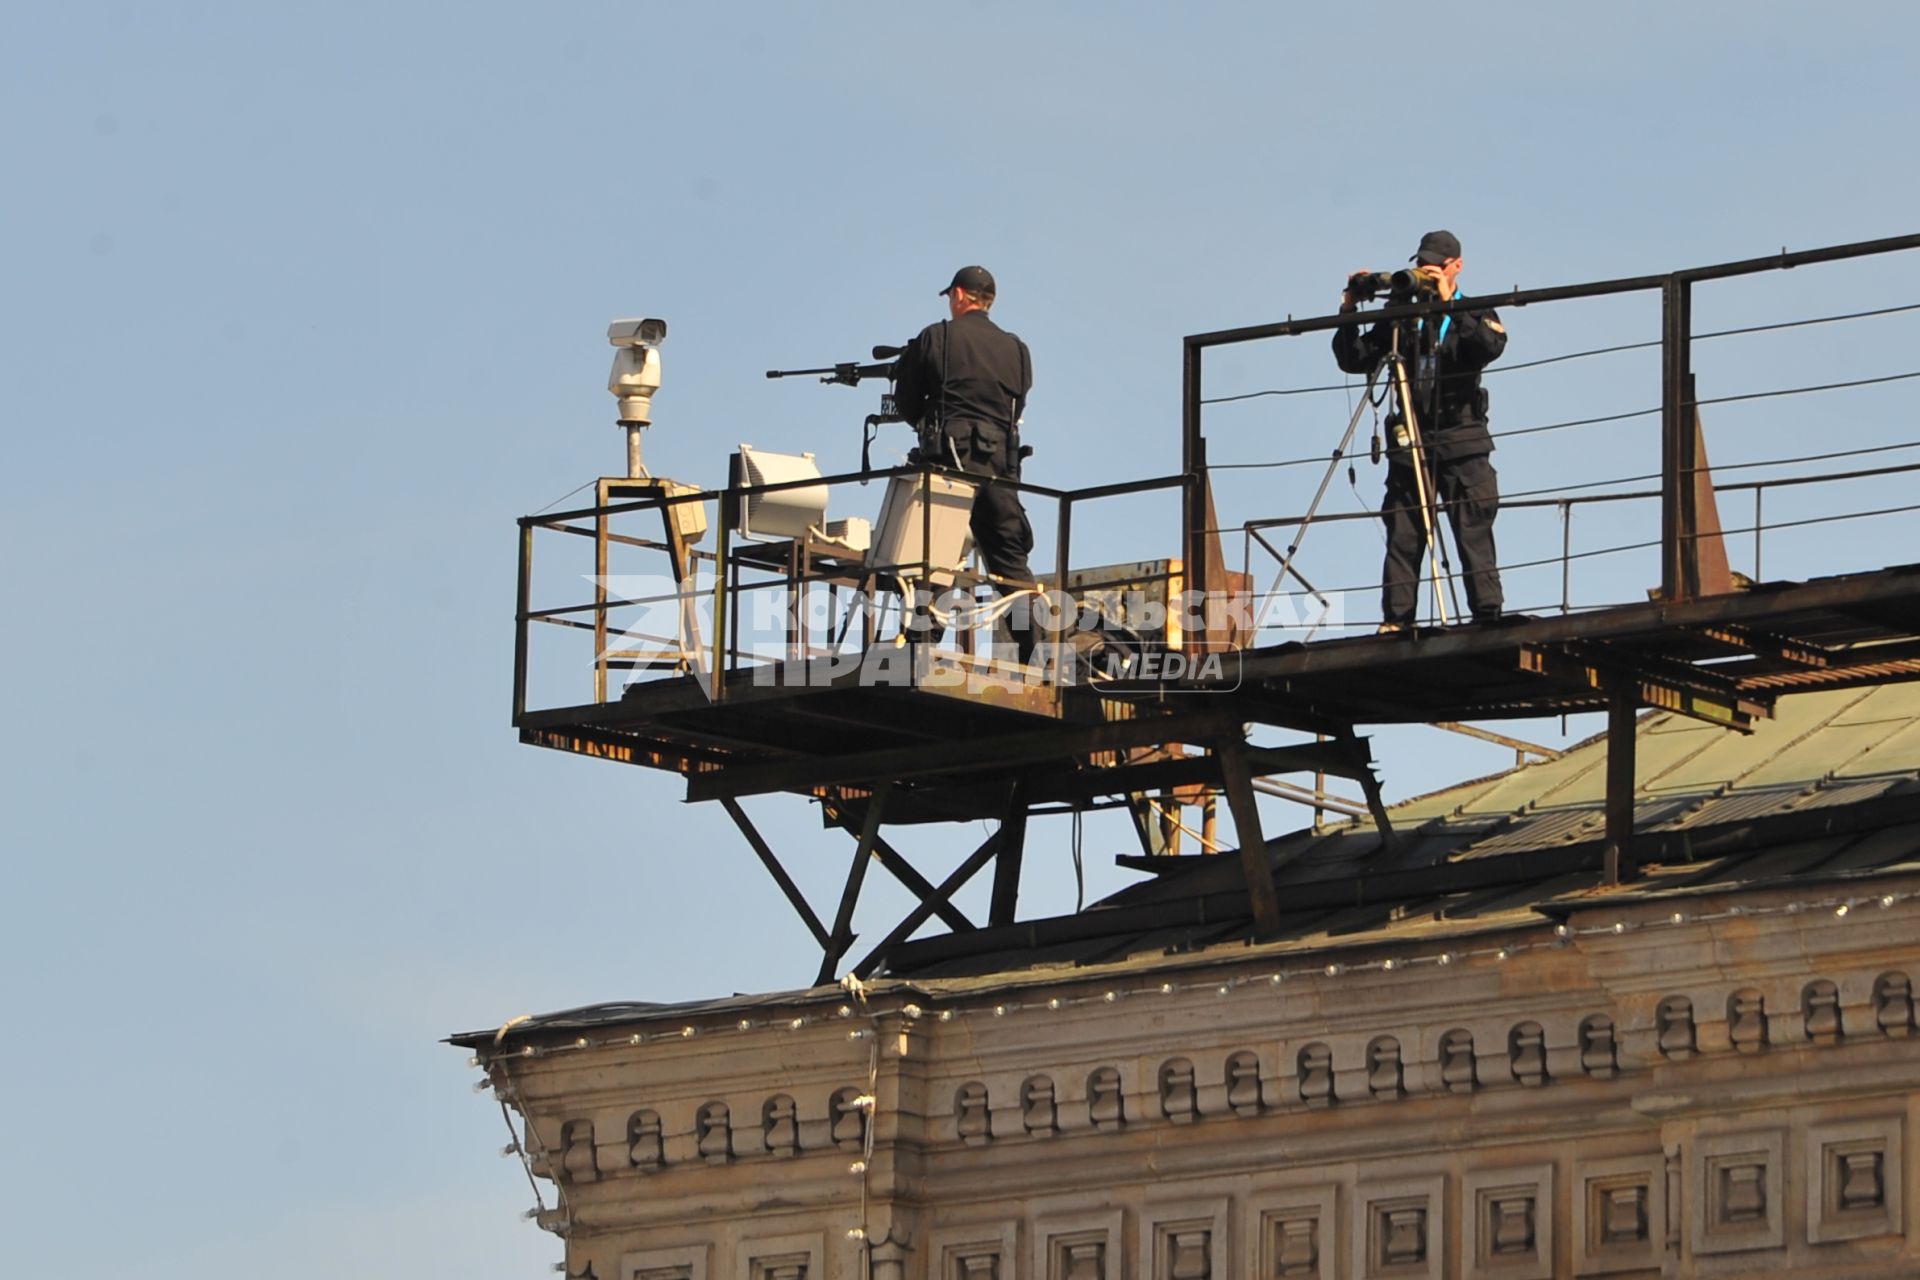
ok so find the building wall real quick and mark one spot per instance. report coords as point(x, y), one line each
point(1682, 1097)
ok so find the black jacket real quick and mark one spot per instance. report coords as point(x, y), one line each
point(1447, 395)
point(965, 370)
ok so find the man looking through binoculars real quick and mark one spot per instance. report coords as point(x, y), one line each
point(1442, 453)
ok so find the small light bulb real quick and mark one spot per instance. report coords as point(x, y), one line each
point(846, 1011)
point(1795, 908)
point(999, 1011)
point(1678, 917)
point(913, 1011)
point(857, 1168)
point(946, 1015)
point(481, 1086)
point(1619, 926)
point(797, 1023)
point(528, 1052)
point(1886, 900)
point(1166, 988)
point(636, 1038)
point(746, 1024)
point(857, 1035)
point(1274, 981)
point(1054, 1004)
point(474, 1061)
point(1387, 965)
point(1503, 954)
point(1563, 931)
point(856, 1233)
point(686, 1033)
point(511, 1149)
point(1223, 989)
point(1333, 971)
point(1111, 996)
point(582, 1043)
point(1842, 909)
point(1445, 957)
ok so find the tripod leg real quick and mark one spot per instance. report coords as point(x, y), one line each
point(1420, 479)
point(1313, 508)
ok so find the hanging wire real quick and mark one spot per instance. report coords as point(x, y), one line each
point(1592, 351)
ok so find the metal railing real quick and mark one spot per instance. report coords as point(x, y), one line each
point(1680, 531)
point(709, 588)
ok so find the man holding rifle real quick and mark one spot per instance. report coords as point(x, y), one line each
point(963, 384)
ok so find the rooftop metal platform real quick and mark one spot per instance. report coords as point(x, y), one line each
point(914, 733)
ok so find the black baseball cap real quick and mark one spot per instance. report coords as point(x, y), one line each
point(1436, 247)
point(973, 280)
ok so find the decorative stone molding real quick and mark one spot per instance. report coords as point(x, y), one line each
point(644, 1147)
point(1893, 1004)
point(1039, 1114)
point(1398, 1230)
point(1508, 1229)
point(1527, 1054)
point(1619, 1214)
point(666, 1264)
point(1243, 1083)
point(1820, 1011)
point(1290, 1233)
point(1673, 1022)
point(779, 1125)
point(972, 1118)
point(1853, 1180)
point(1599, 1050)
point(1177, 1099)
point(1735, 1192)
point(713, 1133)
point(1747, 1020)
point(576, 1152)
point(849, 1122)
point(1457, 1067)
point(1384, 1078)
point(1083, 1246)
point(1106, 1108)
point(984, 1252)
point(794, 1257)
point(1185, 1240)
point(1315, 1075)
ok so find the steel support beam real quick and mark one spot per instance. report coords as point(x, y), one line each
point(1622, 722)
point(919, 915)
point(1238, 784)
point(778, 872)
point(842, 936)
point(905, 762)
point(1663, 683)
point(1679, 566)
point(1012, 846)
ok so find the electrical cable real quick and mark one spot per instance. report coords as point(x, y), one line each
point(1593, 351)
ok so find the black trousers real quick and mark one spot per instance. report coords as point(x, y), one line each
point(1469, 491)
point(999, 523)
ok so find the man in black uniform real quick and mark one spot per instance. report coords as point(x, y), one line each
point(963, 383)
point(1444, 356)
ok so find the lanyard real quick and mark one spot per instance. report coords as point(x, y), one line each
point(1446, 323)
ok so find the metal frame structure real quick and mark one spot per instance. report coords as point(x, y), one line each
point(925, 748)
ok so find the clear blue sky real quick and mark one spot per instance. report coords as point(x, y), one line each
point(303, 304)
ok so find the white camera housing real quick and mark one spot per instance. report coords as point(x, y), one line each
point(636, 367)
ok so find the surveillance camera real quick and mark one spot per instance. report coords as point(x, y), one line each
point(636, 367)
point(637, 333)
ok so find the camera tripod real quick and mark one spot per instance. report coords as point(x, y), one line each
point(1440, 569)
